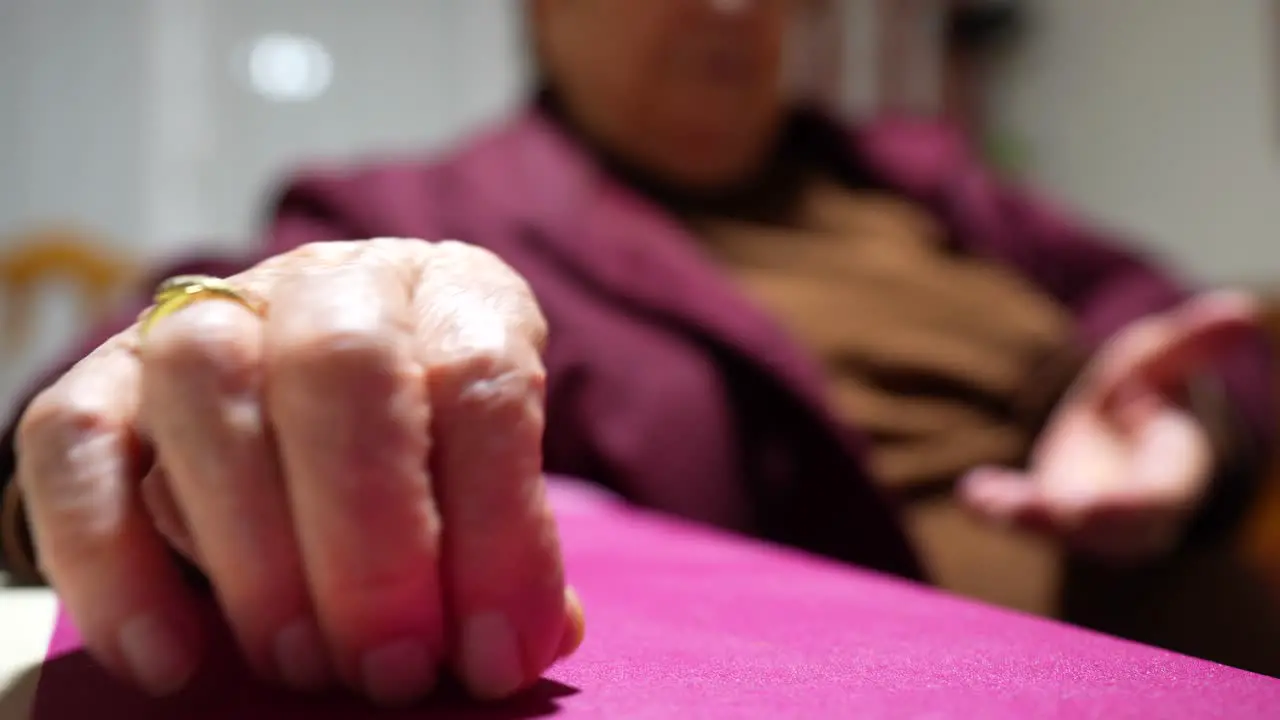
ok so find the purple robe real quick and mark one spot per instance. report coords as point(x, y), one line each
point(665, 382)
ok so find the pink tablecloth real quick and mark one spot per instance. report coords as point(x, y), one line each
point(685, 623)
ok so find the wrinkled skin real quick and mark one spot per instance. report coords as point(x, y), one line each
point(358, 472)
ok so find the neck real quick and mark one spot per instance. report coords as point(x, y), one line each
point(807, 146)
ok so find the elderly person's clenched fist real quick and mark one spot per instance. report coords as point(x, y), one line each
point(346, 439)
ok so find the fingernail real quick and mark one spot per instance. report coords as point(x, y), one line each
point(575, 624)
point(398, 673)
point(491, 663)
point(155, 655)
point(300, 653)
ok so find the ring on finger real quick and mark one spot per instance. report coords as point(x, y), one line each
point(180, 291)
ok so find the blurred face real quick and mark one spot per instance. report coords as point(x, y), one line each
point(688, 89)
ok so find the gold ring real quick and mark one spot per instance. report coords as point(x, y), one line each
point(180, 291)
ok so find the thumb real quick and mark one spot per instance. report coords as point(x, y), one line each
point(1161, 353)
point(1005, 498)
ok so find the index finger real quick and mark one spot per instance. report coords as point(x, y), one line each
point(480, 334)
point(77, 465)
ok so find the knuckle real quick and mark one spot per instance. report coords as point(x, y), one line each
point(78, 515)
point(322, 251)
point(392, 247)
point(73, 454)
point(534, 325)
point(337, 358)
point(57, 419)
point(486, 273)
point(213, 341)
point(475, 261)
point(540, 335)
point(79, 527)
point(467, 252)
point(489, 380)
point(506, 291)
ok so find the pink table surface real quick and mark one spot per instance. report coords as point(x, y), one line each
point(687, 623)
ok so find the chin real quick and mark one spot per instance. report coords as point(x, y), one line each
point(710, 162)
point(709, 146)
point(711, 175)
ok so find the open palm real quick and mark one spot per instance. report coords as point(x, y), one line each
point(1124, 463)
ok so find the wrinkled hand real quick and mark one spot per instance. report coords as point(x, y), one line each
point(1123, 464)
point(358, 473)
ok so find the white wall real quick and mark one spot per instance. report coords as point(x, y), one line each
point(133, 115)
point(408, 74)
point(1159, 117)
point(72, 112)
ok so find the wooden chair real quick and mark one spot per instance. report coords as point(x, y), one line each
point(31, 261)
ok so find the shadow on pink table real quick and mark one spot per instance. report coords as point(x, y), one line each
point(688, 623)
